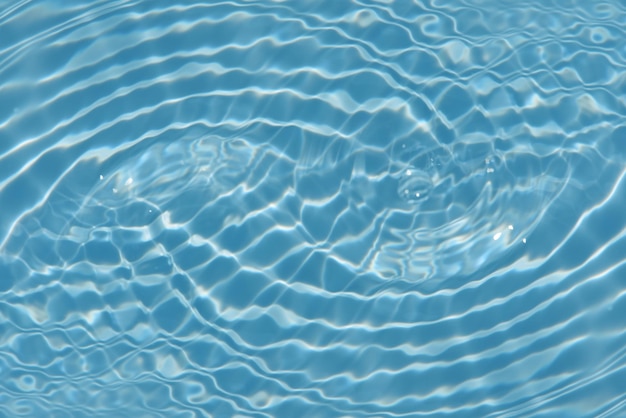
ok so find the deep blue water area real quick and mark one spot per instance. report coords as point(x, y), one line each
point(312, 208)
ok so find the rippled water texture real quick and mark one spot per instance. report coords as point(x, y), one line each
point(312, 208)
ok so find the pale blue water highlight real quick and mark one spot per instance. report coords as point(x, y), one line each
point(312, 209)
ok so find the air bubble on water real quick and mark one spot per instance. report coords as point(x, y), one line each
point(414, 185)
point(490, 164)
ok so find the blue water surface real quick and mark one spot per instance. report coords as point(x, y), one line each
point(312, 208)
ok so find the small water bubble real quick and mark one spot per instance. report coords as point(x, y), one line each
point(599, 35)
point(414, 185)
point(490, 164)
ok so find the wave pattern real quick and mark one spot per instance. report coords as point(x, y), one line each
point(328, 208)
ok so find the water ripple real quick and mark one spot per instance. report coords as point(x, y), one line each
point(365, 208)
